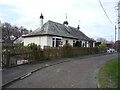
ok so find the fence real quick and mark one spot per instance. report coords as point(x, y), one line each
point(20, 56)
point(16, 57)
point(12, 58)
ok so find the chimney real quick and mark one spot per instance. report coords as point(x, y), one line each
point(78, 27)
point(65, 23)
point(41, 20)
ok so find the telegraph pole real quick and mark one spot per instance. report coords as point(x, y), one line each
point(115, 33)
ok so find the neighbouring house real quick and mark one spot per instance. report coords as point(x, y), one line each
point(109, 45)
point(9, 39)
point(12, 35)
point(19, 40)
point(54, 34)
point(117, 45)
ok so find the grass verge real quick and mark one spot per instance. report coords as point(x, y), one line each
point(108, 75)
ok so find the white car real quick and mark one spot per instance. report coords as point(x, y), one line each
point(111, 50)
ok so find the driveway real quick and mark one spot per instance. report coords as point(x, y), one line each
point(77, 73)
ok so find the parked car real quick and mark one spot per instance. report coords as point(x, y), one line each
point(111, 50)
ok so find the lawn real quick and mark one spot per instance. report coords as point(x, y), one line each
point(108, 75)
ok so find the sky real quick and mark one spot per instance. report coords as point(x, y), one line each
point(87, 13)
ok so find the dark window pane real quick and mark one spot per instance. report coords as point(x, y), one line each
point(53, 43)
point(66, 41)
point(58, 42)
point(85, 44)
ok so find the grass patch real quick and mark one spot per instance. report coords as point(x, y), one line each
point(108, 75)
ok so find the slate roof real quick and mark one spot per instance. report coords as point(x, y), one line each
point(56, 29)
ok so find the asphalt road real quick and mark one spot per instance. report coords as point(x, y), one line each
point(77, 73)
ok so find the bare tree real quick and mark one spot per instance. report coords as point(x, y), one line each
point(7, 29)
point(102, 40)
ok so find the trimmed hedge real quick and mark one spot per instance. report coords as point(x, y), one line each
point(68, 52)
point(35, 53)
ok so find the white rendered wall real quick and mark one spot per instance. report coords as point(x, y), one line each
point(39, 40)
point(70, 41)
point(93, 44)
point(29, 40)
point(82, 43)
point(43, 41)
point(87, 43)
point(47, 41)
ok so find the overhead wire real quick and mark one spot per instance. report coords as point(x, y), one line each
point(105, 12)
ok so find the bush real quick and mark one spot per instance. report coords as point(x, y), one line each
point(37, 54)
point(104, 46)
point(30, 52)
point(7, 47)
point(20, 46)
point(32, 46)
point(67, 46)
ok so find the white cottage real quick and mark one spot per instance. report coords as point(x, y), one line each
point(54, 34)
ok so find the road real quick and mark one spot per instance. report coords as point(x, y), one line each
point(77, 73)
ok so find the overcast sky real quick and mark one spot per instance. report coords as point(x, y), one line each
point(93, 21)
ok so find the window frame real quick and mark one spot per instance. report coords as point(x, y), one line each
point(56, 41)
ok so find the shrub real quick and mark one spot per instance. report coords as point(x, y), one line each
point(67, 46)
point(32, 46)
point(20, 46)
point(104, 46)
point(37, 54)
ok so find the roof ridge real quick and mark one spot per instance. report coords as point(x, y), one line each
point(62, 24)
point(54, 22)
